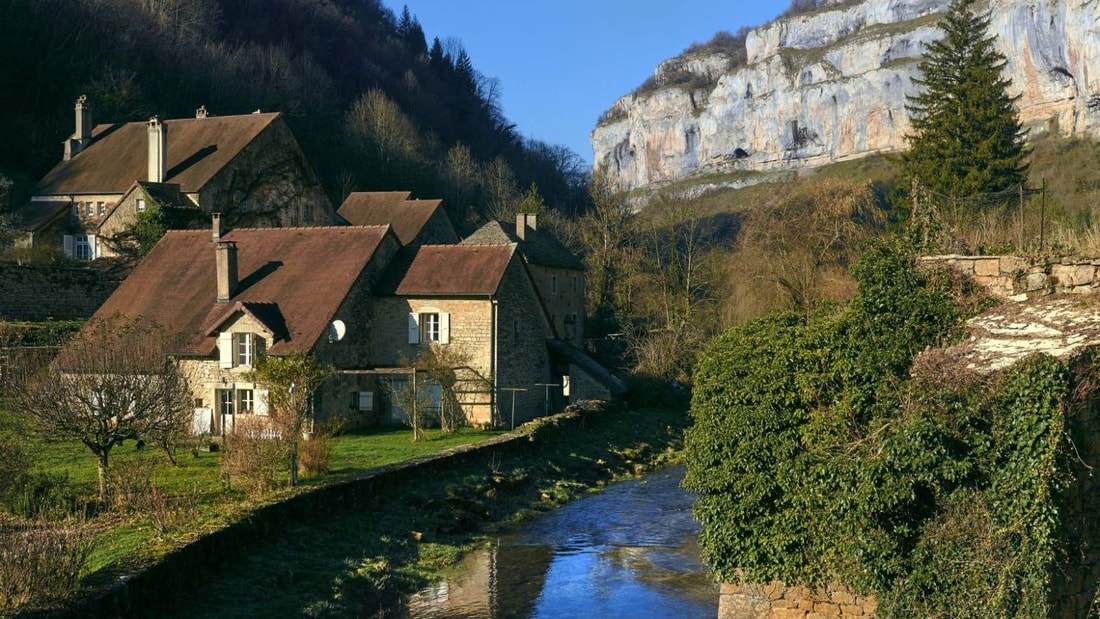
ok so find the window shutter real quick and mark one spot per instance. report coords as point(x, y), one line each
point(259, 401)
point(414, 328)
point(93, 249)
point(67, 243)
point(225, 350)
point(366, 400)
point(259, 348)
point(444, 328)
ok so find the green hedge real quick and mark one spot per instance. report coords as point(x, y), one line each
point(820, 454)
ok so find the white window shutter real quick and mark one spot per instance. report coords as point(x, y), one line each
point(259, 401)
point(225, 350)
point(444, 328)
point(93, 248)
point(67, 243)
point(414, 328)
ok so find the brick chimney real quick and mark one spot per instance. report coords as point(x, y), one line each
point(525, 222)
point(227, 269)
point(82, 137)
point(158, 150)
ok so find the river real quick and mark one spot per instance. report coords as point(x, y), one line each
point(629, 551)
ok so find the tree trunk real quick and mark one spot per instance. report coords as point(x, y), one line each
point(102, 476)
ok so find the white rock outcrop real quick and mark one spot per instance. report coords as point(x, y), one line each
point(832, 85)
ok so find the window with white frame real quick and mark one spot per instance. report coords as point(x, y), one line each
point(101, 208)
point(247, 401)
point(246, 348)
point(429, 326)
point(80, 246)
point(91, 209)
point(140, 205)
point(226, 402)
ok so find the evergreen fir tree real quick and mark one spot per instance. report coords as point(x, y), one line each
point(966, 136)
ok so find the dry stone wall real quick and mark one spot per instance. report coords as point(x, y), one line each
point(777, 601)
point(1011, 276)
point(53, 292)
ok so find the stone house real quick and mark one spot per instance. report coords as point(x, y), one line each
point(360, 301)
point(227, 297)
point(248, 167)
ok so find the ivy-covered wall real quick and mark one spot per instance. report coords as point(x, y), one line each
point(826, 450)
point(39, 292)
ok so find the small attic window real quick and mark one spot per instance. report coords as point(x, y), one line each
point(141, 205)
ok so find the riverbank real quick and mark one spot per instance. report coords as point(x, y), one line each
point(363, 556)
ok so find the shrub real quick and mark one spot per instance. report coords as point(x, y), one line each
point(254, 458)
point(39, 564)
point(39, 496)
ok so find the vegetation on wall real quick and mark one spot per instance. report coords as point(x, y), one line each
point(822, 454)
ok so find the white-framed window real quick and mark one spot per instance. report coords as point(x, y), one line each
point(246, 348)
point(247, 400)
point(101, 208)
point(226, 402)
point(238, 349)
point(80, 246)
point(76, 209)
point(140, 205)
point(90, 209)
point(429, 326)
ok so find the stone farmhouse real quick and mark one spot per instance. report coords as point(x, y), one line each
point(361, 300)
point(248, 167)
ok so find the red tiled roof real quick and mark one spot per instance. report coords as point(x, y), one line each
point(305, 273)
point(451, 270)
point(376, 208)
point(198, 148)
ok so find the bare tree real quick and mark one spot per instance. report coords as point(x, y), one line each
point(603, 232)
point(115, 381)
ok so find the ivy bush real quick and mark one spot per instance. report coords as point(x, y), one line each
point(821, 454)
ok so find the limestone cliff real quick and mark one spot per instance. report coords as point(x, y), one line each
point(831, 85)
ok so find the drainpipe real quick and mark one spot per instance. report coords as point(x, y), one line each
point(493, 341)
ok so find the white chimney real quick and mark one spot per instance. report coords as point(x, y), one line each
point(227, 269)
point(201, 112)
point(158, 150)
point(216, 221)
point(82, 137)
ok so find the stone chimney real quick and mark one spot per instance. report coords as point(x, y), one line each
point(216, 226)
point(82, 137)
point(201, 112)
point(227, 269)
point(158, 150)
point(525, 222)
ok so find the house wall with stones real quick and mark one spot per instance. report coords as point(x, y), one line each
point(32, 292)
point(437, 230)
point(1008, 276)
point(270, 183)
point(562, 294)
point(524, 358)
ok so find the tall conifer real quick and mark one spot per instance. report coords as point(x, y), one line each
point(966, 136)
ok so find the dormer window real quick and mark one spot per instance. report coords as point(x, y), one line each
point(239, 349)
point(141, 205)
point(246, 348)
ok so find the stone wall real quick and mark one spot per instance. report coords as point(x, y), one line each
point(776, 601)
point(1010, 276)
point(56, 292)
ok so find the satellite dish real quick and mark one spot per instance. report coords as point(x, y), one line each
point(336, 331)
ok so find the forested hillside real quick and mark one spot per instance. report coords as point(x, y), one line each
point(374, 103)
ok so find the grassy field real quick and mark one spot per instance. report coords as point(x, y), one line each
point(198, 499)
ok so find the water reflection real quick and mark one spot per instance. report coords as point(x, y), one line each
point(630, 551)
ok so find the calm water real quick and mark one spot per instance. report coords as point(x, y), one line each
point(629, 551)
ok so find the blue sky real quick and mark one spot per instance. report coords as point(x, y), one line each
point(561, 63)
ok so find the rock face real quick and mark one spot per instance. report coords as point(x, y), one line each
point(832, 85)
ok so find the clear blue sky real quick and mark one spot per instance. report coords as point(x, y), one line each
point(560, 63)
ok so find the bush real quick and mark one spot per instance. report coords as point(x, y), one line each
point(254, 458)
point(39, 496)
point(39, 564)
point(315, 453)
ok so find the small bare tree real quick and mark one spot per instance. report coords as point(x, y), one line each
point(115, 381)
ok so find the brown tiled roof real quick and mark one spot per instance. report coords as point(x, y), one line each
point(377, 208)
point(198, 148)
point(448, 270)
point(166, 195)
point(33, 215)
point(297, 275)
point(538, 247)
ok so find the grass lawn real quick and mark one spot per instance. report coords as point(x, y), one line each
point(196, 482)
